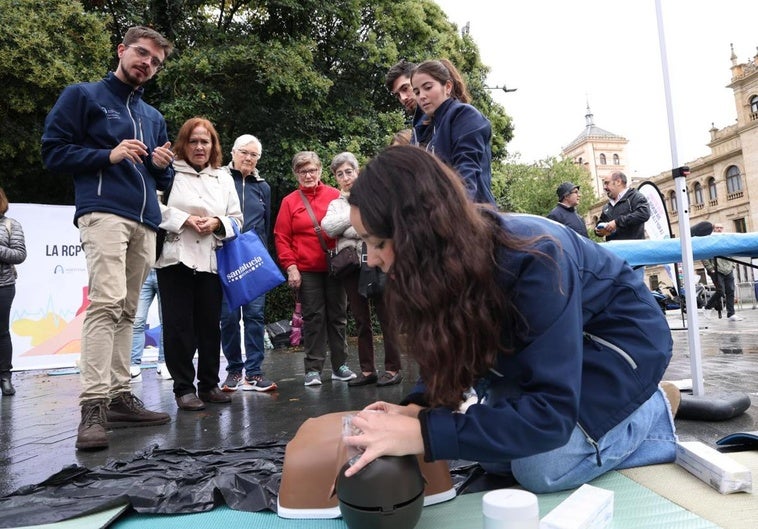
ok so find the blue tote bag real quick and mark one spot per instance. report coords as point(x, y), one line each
point(245, 268)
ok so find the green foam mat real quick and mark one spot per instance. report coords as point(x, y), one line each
point(634, 507)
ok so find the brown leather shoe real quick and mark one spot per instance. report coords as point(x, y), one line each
point(91, 434)
point(190, 402)
point(388, 379)
point(363, 380)
point(215, 396)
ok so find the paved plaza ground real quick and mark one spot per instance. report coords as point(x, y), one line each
point(38, 425)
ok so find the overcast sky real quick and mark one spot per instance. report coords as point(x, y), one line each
point(562, 54)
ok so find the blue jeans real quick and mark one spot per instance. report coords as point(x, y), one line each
point(147, 293)
point(253, 320)
point(646, 437)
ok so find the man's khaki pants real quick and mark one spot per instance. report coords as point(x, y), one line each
point(119, 255)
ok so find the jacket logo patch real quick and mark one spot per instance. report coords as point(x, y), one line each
point(111, 113)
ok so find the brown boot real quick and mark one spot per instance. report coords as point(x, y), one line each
point(91, 435)
point(673, 395)
point(127, 410)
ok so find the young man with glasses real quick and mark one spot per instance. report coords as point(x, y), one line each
point(116, 147)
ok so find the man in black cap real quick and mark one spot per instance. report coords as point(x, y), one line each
point(565, 211)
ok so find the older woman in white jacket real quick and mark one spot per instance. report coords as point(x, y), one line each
point(201, 207)
point(336, 224)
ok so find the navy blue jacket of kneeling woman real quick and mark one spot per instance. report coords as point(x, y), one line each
point(592, 348)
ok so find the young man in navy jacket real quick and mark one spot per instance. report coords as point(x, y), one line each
point(117, 150)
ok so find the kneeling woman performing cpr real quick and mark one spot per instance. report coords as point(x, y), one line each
point(562, 342)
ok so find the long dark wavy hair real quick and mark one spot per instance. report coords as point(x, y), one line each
point(441, 289)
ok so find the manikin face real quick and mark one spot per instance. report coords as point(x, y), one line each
point(403, 91)
point(430, 93)
point(139, 62)
point(199, 147)
point(246, 158)
point(379, 252)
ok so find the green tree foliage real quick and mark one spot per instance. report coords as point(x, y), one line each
point(530, 188)
point(298, 74)
point(44, 45)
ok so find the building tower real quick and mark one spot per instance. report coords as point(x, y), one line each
point(600, 152)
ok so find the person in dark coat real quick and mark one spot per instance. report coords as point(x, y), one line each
point(626, 212)
point(565, 211)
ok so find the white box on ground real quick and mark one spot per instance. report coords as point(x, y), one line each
point(587, 507)
point(714, 468)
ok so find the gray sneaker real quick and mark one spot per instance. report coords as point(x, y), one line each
point(312, 378)
point(232, 381)
point(343, 373)
point(258, 383)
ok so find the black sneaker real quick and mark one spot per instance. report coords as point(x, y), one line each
point(232, 381)
point(127, 410)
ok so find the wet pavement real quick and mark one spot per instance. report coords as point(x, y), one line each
point(38, 425)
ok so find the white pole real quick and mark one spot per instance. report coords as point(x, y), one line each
point(680, 180)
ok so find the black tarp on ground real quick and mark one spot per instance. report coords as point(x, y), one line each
point(179, 481)
point(171, 481)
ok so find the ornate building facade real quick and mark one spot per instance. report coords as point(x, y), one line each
point(720, 184)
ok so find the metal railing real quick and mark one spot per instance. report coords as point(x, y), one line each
point(745, 294)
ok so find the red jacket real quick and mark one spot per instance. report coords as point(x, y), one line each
point(294, 235)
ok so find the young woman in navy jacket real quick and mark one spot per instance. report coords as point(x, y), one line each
point(563, 344)
point(447, 126)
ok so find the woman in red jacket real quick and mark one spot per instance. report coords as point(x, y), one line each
point(301, 252)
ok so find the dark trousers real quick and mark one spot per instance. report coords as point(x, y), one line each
point(724, 287)
point(360, 308)
point(7, 294)
point(324, 320)
point(191, 310)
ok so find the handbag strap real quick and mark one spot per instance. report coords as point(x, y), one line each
point(314, 221)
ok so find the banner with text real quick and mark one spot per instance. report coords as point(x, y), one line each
point(51, 289)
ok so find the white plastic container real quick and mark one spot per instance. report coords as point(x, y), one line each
point(510, 509)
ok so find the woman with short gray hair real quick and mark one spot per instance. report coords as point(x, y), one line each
point(336, 224)
point(302, 251)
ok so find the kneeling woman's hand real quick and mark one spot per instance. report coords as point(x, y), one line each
point(384, 433)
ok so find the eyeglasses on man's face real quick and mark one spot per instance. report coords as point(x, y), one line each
point(144, 53)
point(246, 154)
point(308, 172)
